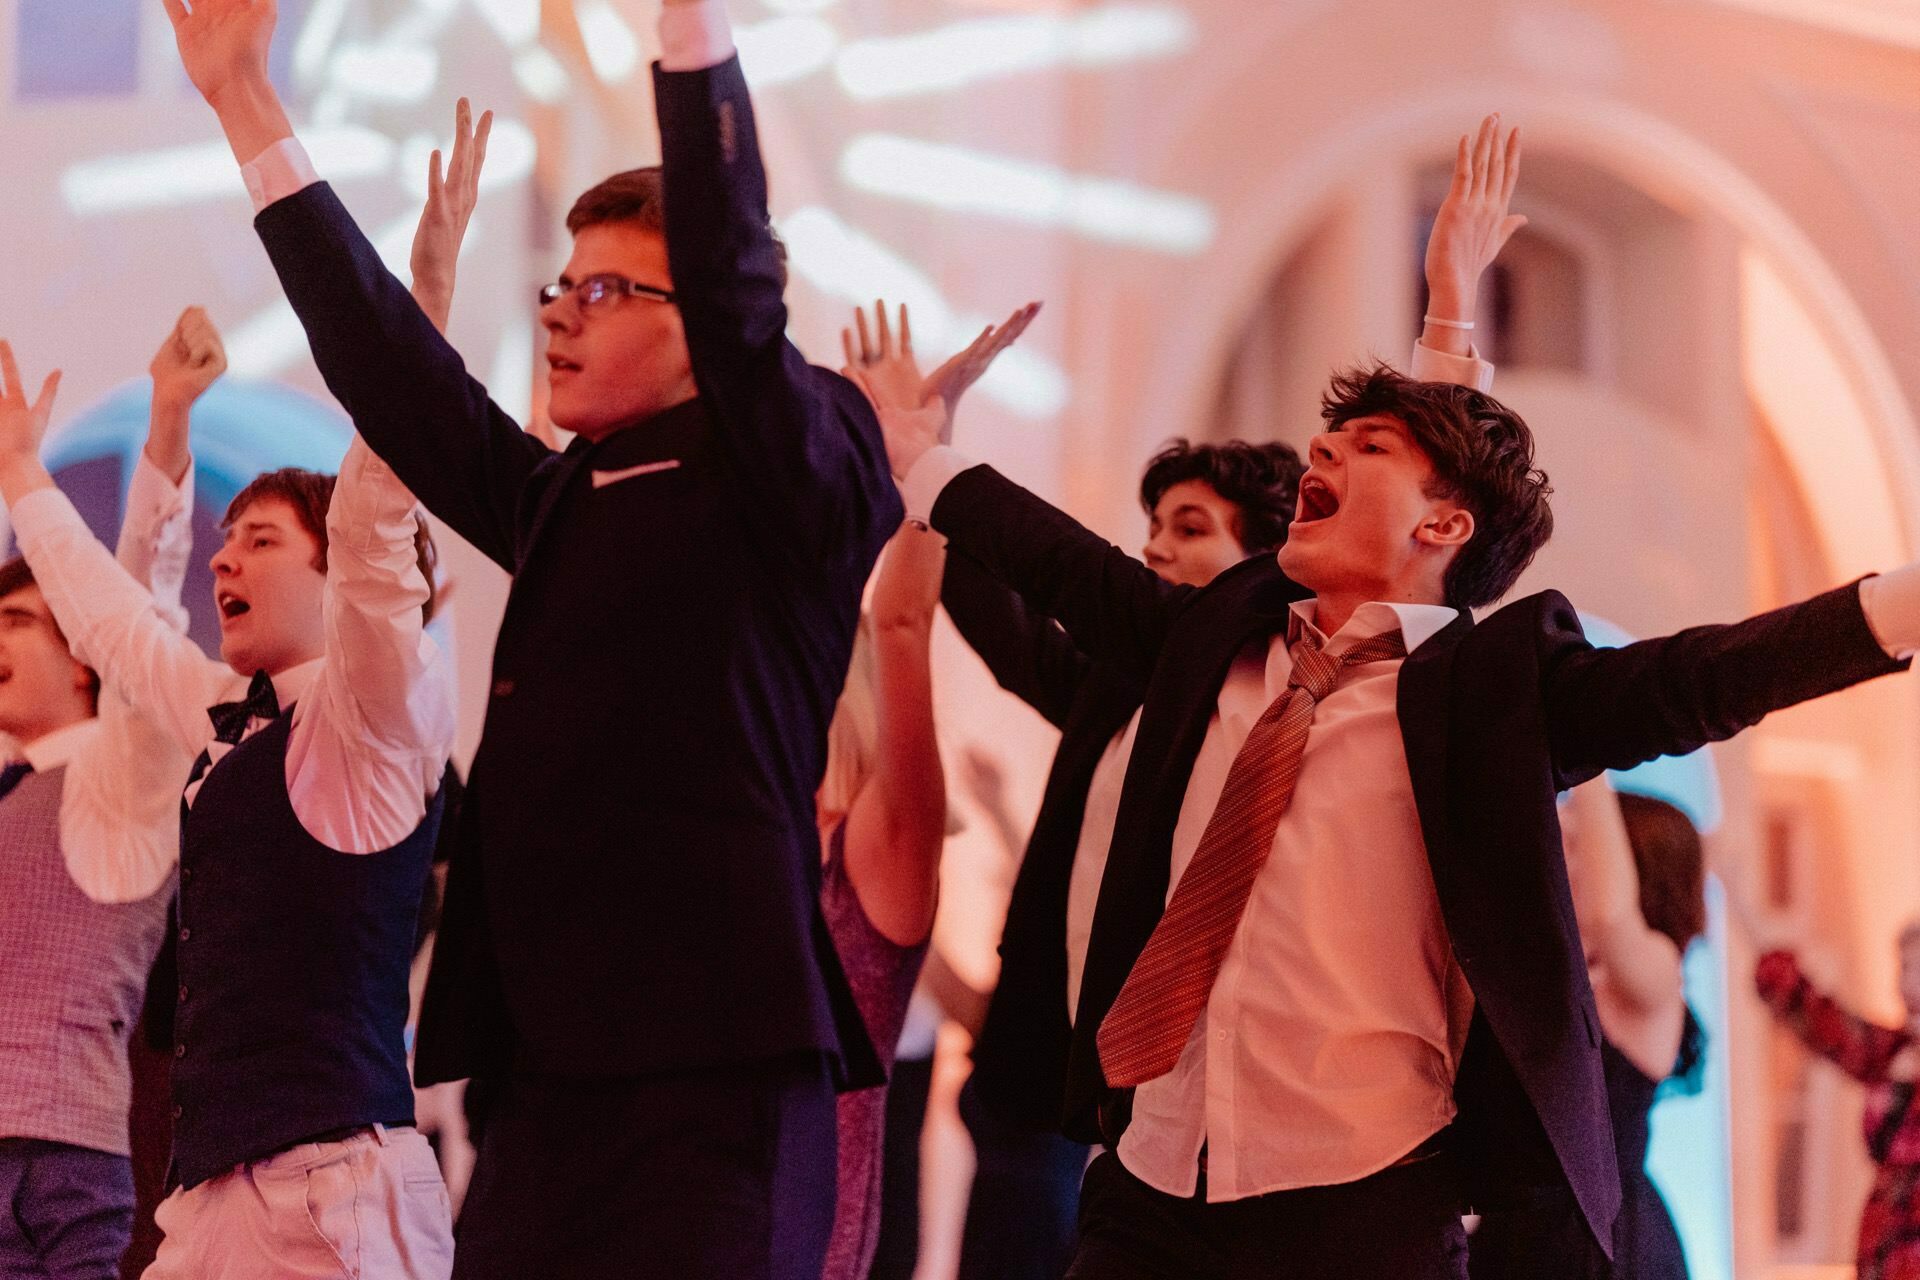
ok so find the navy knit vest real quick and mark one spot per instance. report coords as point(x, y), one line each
point(293, 970)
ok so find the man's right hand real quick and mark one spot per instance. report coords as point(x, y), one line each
point(189, 361)
point(223, 45)
point(23, 424)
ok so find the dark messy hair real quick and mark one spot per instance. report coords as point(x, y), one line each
point(17, 575)
point(1667, 853)
point(1482, 455)
point(1262, 481)
point(637, 196)
point(310, 493)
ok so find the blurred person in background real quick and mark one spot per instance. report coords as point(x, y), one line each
point(1887, 1061)
point(1639, 891)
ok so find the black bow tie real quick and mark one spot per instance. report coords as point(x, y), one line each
point(230, 719)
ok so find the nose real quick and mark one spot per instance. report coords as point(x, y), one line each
point(1155, 553)
point(562, 315)
point(1322, 451)
point(223, 563)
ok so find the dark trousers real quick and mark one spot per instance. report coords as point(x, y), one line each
point(1403, 1224)
point(1026, 1195)
point(726, 1173)
point(66, 1213)
point(898, 1253)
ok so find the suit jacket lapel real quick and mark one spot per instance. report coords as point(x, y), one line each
point(1426, 683)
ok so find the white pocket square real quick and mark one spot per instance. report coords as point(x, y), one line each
point(601, 479)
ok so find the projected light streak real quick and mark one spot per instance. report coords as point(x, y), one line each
point(802, 7)
point(846, 263)
point(511, 153)
point(516, 22)
point(964, 181)
point(206, 171)
point(540, 75)
point(317, 36)
point(965, 53)
point(391, 73)
point(612, 48)
point(785, 49)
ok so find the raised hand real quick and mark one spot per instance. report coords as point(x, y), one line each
point(23, 425)
point(224, 46)
point(223, 43)
point(886, 361)
point(189, 361)
point(1473, 224)
point(952, 379)
point(443, 223)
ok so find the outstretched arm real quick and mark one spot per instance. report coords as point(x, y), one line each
point(1469, 231)
point(802, 442)
point(105, 613)
point(1860, 1048)
point(406, 389)
point(898, 821)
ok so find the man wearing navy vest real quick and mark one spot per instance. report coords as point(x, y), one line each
point(89, 833)
point(632, 942)
point(307, 829)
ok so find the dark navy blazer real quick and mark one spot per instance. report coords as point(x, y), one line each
point(634, 887)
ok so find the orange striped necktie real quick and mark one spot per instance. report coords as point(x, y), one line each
point(1145, 1032)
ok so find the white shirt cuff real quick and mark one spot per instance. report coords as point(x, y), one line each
point(1431, 365)
point(153, 490)
point(282, 170)
point(694, 37)
point(1891, 602)
point(932, 473)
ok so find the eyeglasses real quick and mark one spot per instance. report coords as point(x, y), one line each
point(595, 290)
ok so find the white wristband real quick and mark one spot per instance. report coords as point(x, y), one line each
point(1466, 326)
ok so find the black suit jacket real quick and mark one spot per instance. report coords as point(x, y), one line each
point(1497, 718)
point(1020, 1056)
point(635, 886)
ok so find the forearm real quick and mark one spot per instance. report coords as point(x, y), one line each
point(251, 116)
point(156, 536)
point(908, 768)
point(168, 437)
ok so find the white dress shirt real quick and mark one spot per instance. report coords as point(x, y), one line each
point(374, 721)
point(120, 802)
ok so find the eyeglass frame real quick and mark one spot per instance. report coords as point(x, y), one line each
point(611, 281)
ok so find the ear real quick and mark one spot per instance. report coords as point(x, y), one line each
point(1447, 527)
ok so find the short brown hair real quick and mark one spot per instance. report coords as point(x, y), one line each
point(310, 493)
point(17, 575)
point(1262, 481)
point(1673, 870)
point(1482, 455)
point(637, 196)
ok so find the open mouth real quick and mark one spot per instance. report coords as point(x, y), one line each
point(231, 606)
point(1317, 500)
point(560, 364)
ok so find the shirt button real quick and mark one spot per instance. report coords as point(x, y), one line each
point(180, 1050)
point(503, 688)
point(183, 993)
point(176, 1113)
point(186, 873)
point(185, 933)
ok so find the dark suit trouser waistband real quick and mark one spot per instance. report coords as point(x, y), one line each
point(1400, 1224)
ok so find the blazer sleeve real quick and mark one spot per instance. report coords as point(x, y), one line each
point(405, 387)
point(1617, 708)
point(1114, 608)
point(803, 440)
point(1031, 657)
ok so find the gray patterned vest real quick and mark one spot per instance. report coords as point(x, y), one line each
point(73, 973)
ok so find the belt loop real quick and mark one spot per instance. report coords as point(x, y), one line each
point(380, 1133)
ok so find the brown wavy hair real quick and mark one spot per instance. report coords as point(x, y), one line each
point(310, 493)
point(1482, 455)
point(1672, 867)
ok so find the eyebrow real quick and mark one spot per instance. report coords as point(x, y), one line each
point(18, 611)
point(1191, 508)
point(1361, 428)
point(246, 527)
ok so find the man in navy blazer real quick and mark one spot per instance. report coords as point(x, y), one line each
point(631, 948)
point(1401, 1025)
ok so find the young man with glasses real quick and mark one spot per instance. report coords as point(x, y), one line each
point(632, 943)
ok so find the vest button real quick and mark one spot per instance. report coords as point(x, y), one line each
point(503, 688)
point(186, 873)
point(180, 1051)
point(183, 993)
point(185, 933)
point(176, 1113)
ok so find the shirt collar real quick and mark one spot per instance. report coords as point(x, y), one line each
point(52, 750)
point(1418, 623)
point(292, 684)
